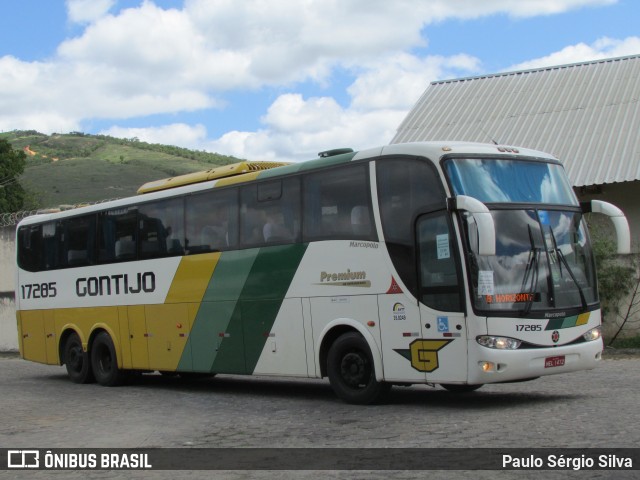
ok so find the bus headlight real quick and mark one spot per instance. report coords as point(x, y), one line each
point(593, 334)
point(500, 343)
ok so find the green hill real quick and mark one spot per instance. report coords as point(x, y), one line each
point(76, 167)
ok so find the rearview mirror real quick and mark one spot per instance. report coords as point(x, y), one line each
point(617, 218)
point(483, 218)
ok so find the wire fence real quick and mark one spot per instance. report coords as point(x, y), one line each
point(13, 218)
point(10, 219)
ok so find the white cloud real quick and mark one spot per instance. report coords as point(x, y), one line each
point(87, 11)
point(530, 8)
point(149, 60)
point(179, 134)
point(350, 129)
point(581, 52)
point(296, 128)
point(41, 121)
point(398, 81)
point(222, 45)
point(65, 93)
point(291, 113)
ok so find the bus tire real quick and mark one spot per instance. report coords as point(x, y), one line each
point(76, 360)
point(351, 371)
point(455, 388)
point(105, 362)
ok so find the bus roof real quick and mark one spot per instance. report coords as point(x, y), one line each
point(246, 171)
point(206, 175)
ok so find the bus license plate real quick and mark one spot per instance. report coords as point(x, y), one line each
point(554, 361)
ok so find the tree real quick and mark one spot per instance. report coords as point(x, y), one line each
point(12, 163)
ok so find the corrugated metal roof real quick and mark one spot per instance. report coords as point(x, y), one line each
point(586, 114)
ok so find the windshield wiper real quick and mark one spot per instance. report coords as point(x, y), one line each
point(531, 269)
point(564, 262)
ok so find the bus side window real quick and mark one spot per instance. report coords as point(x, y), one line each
point(30, 248)
point(77, 237)
point(406, 187)
point(38, 247)
point(211, 221)
point(51, 245)
point(271, 212)
point(117, 235)
point(337, 204)
point(161, 229)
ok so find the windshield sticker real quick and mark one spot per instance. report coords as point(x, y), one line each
point(512, 298)
point(399, 312)
point(485, 283)
point(442, 244)
point(443, 324)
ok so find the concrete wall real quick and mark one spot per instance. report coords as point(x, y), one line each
point(7, 255)
point(8, 329)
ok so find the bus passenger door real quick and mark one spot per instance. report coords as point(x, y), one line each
point(442, 351)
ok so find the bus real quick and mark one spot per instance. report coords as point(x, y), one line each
point(452, 264)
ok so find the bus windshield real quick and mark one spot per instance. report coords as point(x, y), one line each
point(515, 181)
point(543, 261)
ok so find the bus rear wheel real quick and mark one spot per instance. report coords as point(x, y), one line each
point(351, 371)
point(105, 362)
point(76, 360)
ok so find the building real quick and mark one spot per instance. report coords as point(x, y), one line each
point(586, 114)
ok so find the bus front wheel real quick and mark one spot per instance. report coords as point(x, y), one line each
point(351, 371)
point(105, 362)
point(76, 360)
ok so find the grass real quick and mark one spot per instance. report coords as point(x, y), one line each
point(76, 167)
point(629, 342)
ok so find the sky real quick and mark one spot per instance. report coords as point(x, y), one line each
point(275, 79)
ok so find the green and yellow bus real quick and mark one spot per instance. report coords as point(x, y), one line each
point(447, 263)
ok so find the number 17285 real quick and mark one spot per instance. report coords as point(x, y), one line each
point(38, 290)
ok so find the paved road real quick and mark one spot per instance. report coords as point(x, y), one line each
point(43, 409)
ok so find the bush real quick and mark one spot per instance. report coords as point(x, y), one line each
point(628, 342)
point(616, 277)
